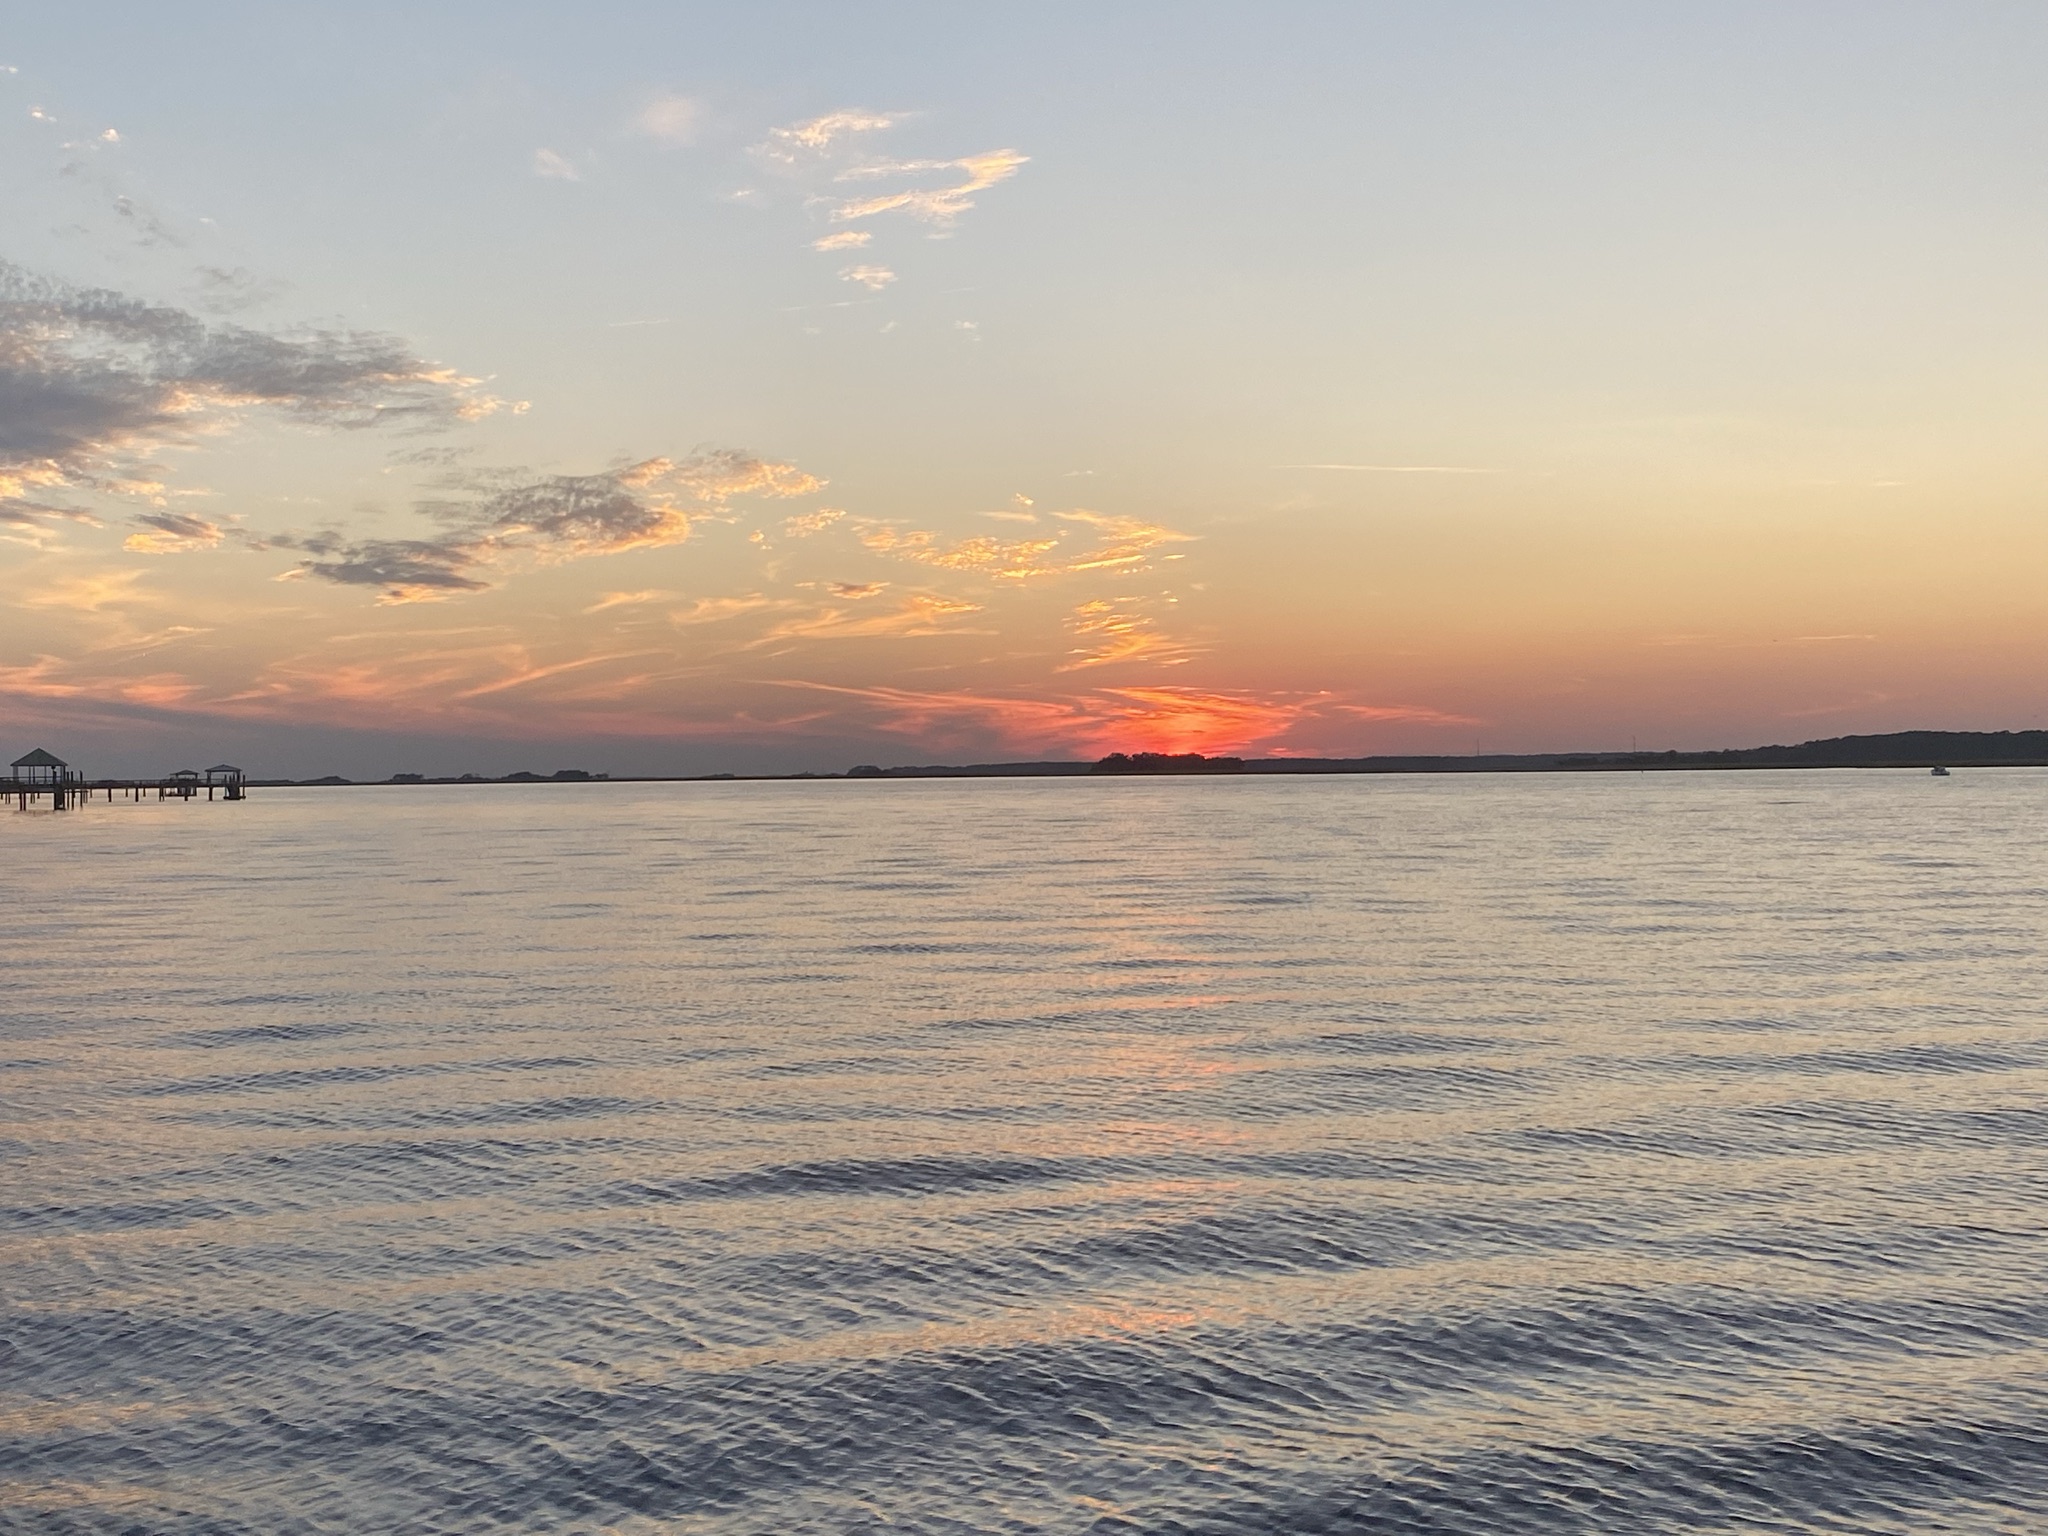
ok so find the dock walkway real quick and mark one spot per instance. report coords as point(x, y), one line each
point(42, 775)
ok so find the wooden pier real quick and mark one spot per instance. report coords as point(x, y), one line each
point(41, 775)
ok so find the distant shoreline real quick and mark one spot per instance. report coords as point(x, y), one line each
point(1898, 750)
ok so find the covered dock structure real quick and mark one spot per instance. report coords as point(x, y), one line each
point(42, 774)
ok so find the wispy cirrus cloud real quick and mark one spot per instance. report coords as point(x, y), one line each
point(546, 521)
point(119, 696)
point(1012, 559)
point(830, 157)
point(88, 593)
point(942, 205)
point(131, 645)
point(716, 610)
point(541, 672)
point(452, 677)
point(1121, 544)
point(937, 718)
point(1125, 541)
point(1119, 630)
point(227, 290)
point(145, 225)
point(627, 600)
point(799, 141)
point(917, 615)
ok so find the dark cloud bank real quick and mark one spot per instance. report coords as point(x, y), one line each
point(508, 518)
point(91, 381)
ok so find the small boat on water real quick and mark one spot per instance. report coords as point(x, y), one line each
point(1940, 772)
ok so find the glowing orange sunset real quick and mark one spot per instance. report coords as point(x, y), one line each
point(682, 424)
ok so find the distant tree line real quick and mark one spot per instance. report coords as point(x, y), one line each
point(1164, 762)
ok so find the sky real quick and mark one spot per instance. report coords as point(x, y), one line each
point(687, 388)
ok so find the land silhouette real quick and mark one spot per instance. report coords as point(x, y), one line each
point(1898, 749)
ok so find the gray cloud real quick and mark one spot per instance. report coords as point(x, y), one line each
point(224, 290)
point(90, 380)
point(435, 455)
point(147, 227)
point(30, 516)
point(547, 520)
point(407, 570)
point(169, 533)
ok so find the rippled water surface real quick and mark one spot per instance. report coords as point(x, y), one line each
point(1640, 1153)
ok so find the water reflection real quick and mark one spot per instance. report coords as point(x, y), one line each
point(1648, 1153)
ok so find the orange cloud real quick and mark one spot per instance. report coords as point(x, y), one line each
point(1007, 559)
point(534, 674)
point(88, 594)
point(1186, 720)
point(171, 533)
point(804, 524)
point(1123, 635)
point(38, 680)
point(939, 205)
point(1125, 540)
point(626, 600)
point(821, 133)
point(1114, 719)
point(711, 610)
point(934, 717)
point(162, 690)
point(1123, 543)
point(922, 614)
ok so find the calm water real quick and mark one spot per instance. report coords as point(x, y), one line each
point(1549, 1154)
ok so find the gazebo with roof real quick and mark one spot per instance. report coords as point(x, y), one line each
point(42, 769)
point(228, 777)
point(45, 773)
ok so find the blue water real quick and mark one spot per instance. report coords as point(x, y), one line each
point(1638, 1153)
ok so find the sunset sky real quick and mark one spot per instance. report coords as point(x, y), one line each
point(682, 388)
